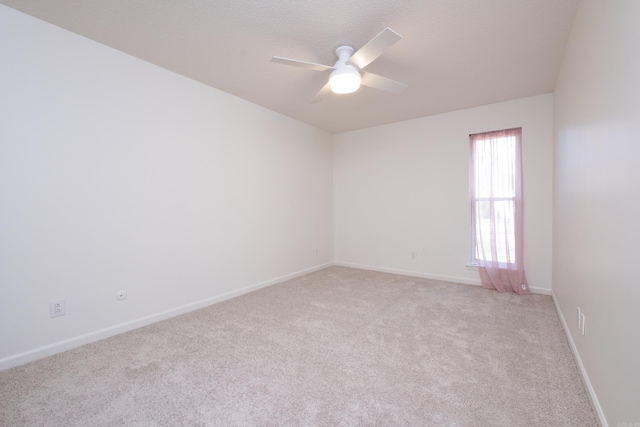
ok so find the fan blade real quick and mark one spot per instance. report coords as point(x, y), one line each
point(301, 64)
point(376, 46)
point(322, 93)
point(378, 82)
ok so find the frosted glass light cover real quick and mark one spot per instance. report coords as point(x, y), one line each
point(344, 80)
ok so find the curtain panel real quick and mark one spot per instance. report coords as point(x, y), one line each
point(497, 209)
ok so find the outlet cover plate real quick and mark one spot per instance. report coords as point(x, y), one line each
point(57, 308)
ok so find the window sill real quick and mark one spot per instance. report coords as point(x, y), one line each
point(471, 266)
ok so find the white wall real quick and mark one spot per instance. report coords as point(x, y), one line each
point(404, 187)
point(119, 175)
point(596, 240)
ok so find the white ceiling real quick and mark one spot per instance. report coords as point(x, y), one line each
point(455, 54)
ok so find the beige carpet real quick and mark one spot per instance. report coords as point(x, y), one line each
point(339, 347)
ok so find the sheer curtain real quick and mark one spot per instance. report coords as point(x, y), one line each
point(496, 209)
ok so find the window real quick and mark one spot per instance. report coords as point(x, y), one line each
point(495, 177)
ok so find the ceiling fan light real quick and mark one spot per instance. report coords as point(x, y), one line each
point(345, 79)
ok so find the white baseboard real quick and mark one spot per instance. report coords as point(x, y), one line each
point(444, 278)
point(595, 403)
point(455, 279)
point(78, 341)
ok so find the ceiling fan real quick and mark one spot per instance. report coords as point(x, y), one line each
point(346, 74)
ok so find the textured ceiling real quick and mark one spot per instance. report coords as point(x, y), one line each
point(455, 53)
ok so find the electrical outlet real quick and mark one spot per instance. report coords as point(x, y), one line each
point(57, 308)
point(316, 251)
point(579, 313)
point(413, 255)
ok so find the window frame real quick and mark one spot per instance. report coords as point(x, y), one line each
point(474, 138)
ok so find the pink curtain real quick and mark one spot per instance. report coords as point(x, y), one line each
point(496, 209)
